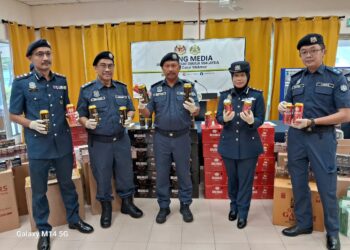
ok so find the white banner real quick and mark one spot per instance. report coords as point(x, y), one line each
point(204, 62)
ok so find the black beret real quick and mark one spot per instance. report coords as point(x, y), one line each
point(240, 66)
point(310, 39)
point(172, 56)
point(37, 44)
point(103, 55)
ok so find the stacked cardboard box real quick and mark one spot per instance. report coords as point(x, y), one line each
point(265, 168)
point(344, 214)
point(9, 218)
point(215, 178)
point(283, 205)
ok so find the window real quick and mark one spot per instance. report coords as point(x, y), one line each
point(6, 78)
point(343, 52)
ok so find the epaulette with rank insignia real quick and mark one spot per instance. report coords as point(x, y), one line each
point(120, 83)
point(156, 83)
point(19, 77)
point(257, 90)
point(223, 92)
point(86, 85)
point(58, 74)
point(188, 81)
point(333, 70)
point(297, 73)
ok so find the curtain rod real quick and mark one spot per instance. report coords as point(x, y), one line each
point(186, 22)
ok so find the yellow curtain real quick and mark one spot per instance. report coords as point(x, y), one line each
point(20, 37)
point(121, 36)
point(68, 56)
point(95, 41)
point(257, 32)
point(287, 34)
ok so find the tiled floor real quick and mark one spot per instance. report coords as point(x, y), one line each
point(209, 231)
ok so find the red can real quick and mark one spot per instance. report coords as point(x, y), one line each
point(288, 115)
point(208, 119)
point(298, 111)
point(71, 115)
point(228, 105)
point(247, 105)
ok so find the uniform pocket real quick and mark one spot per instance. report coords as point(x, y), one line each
point(323, 90)
point(121, 101)
point(297, 91)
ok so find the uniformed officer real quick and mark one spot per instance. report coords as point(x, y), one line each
point(326, 97)
point(38, 90)
point(172, 135)
point(109, 144)
point(240, 144)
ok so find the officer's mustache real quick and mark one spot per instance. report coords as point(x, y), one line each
point(46, 62)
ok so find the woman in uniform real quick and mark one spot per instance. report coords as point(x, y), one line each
point(240, 144)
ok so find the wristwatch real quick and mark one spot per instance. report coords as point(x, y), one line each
point(312, 125)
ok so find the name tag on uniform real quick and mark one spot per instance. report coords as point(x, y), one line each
point(121, 97)
point(101, 98)
point(159, 94)
point(297, 86)
point(59, 87)
point(183, 93)
point(249, 99)
point(325, 84)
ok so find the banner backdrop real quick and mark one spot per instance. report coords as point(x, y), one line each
point(204, 62)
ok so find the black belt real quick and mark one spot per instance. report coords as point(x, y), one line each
point(172, 133)
point(319, 129)
point(107, 138)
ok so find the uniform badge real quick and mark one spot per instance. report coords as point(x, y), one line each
point(344, 87)
point(298, 82)
point(238, 68)
point(313, 39)
point(159, 89)
point(32, 86)
point(229, 96)
point(348, 78)
point(110, 55)
point(96, 93)
point(174, 56)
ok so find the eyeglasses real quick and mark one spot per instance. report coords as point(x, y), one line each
point(42, 54)
point(106, 66)
point(312, 52)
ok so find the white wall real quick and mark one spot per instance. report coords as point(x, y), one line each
point(146, 10)
point(12, 10)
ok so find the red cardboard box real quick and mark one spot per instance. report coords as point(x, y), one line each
point(79, 136)
point(215, 178)
point(268, 149)
point(213, 164)
point(267, 133)
point(262, 192)
point(265, 164)
point(211, 134)
point(211, 150)
point(264, 178)
point(215, 192)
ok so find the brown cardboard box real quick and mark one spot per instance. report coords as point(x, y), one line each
point(343, 183)
point(85, 180)
point(57, 210)
point(344, 142)
point(95, 205)
point(9, 218)
point(283, 212)
point(343, 146)
point(282, 159)
point(20, 173)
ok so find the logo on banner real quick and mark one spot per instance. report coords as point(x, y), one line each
point(195, 50)
point(180, 49)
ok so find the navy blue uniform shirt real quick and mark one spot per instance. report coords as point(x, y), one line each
point(107, 101)
point(167, 103)
point(239, 140)
point(32, 93)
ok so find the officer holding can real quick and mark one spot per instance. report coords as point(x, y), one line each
point(46, 92)
point(240, 144)
point(326, 97)
point(108, 142)
point(172, 135)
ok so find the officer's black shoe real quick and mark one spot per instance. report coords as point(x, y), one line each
point(82, 227)
point(106, 215)
point(186, 212)
point(44, 243)
point(241, 223)
point(295, 231)
point(333, 243)
point(128, 207)
point(162, 214)
point(232, 216)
